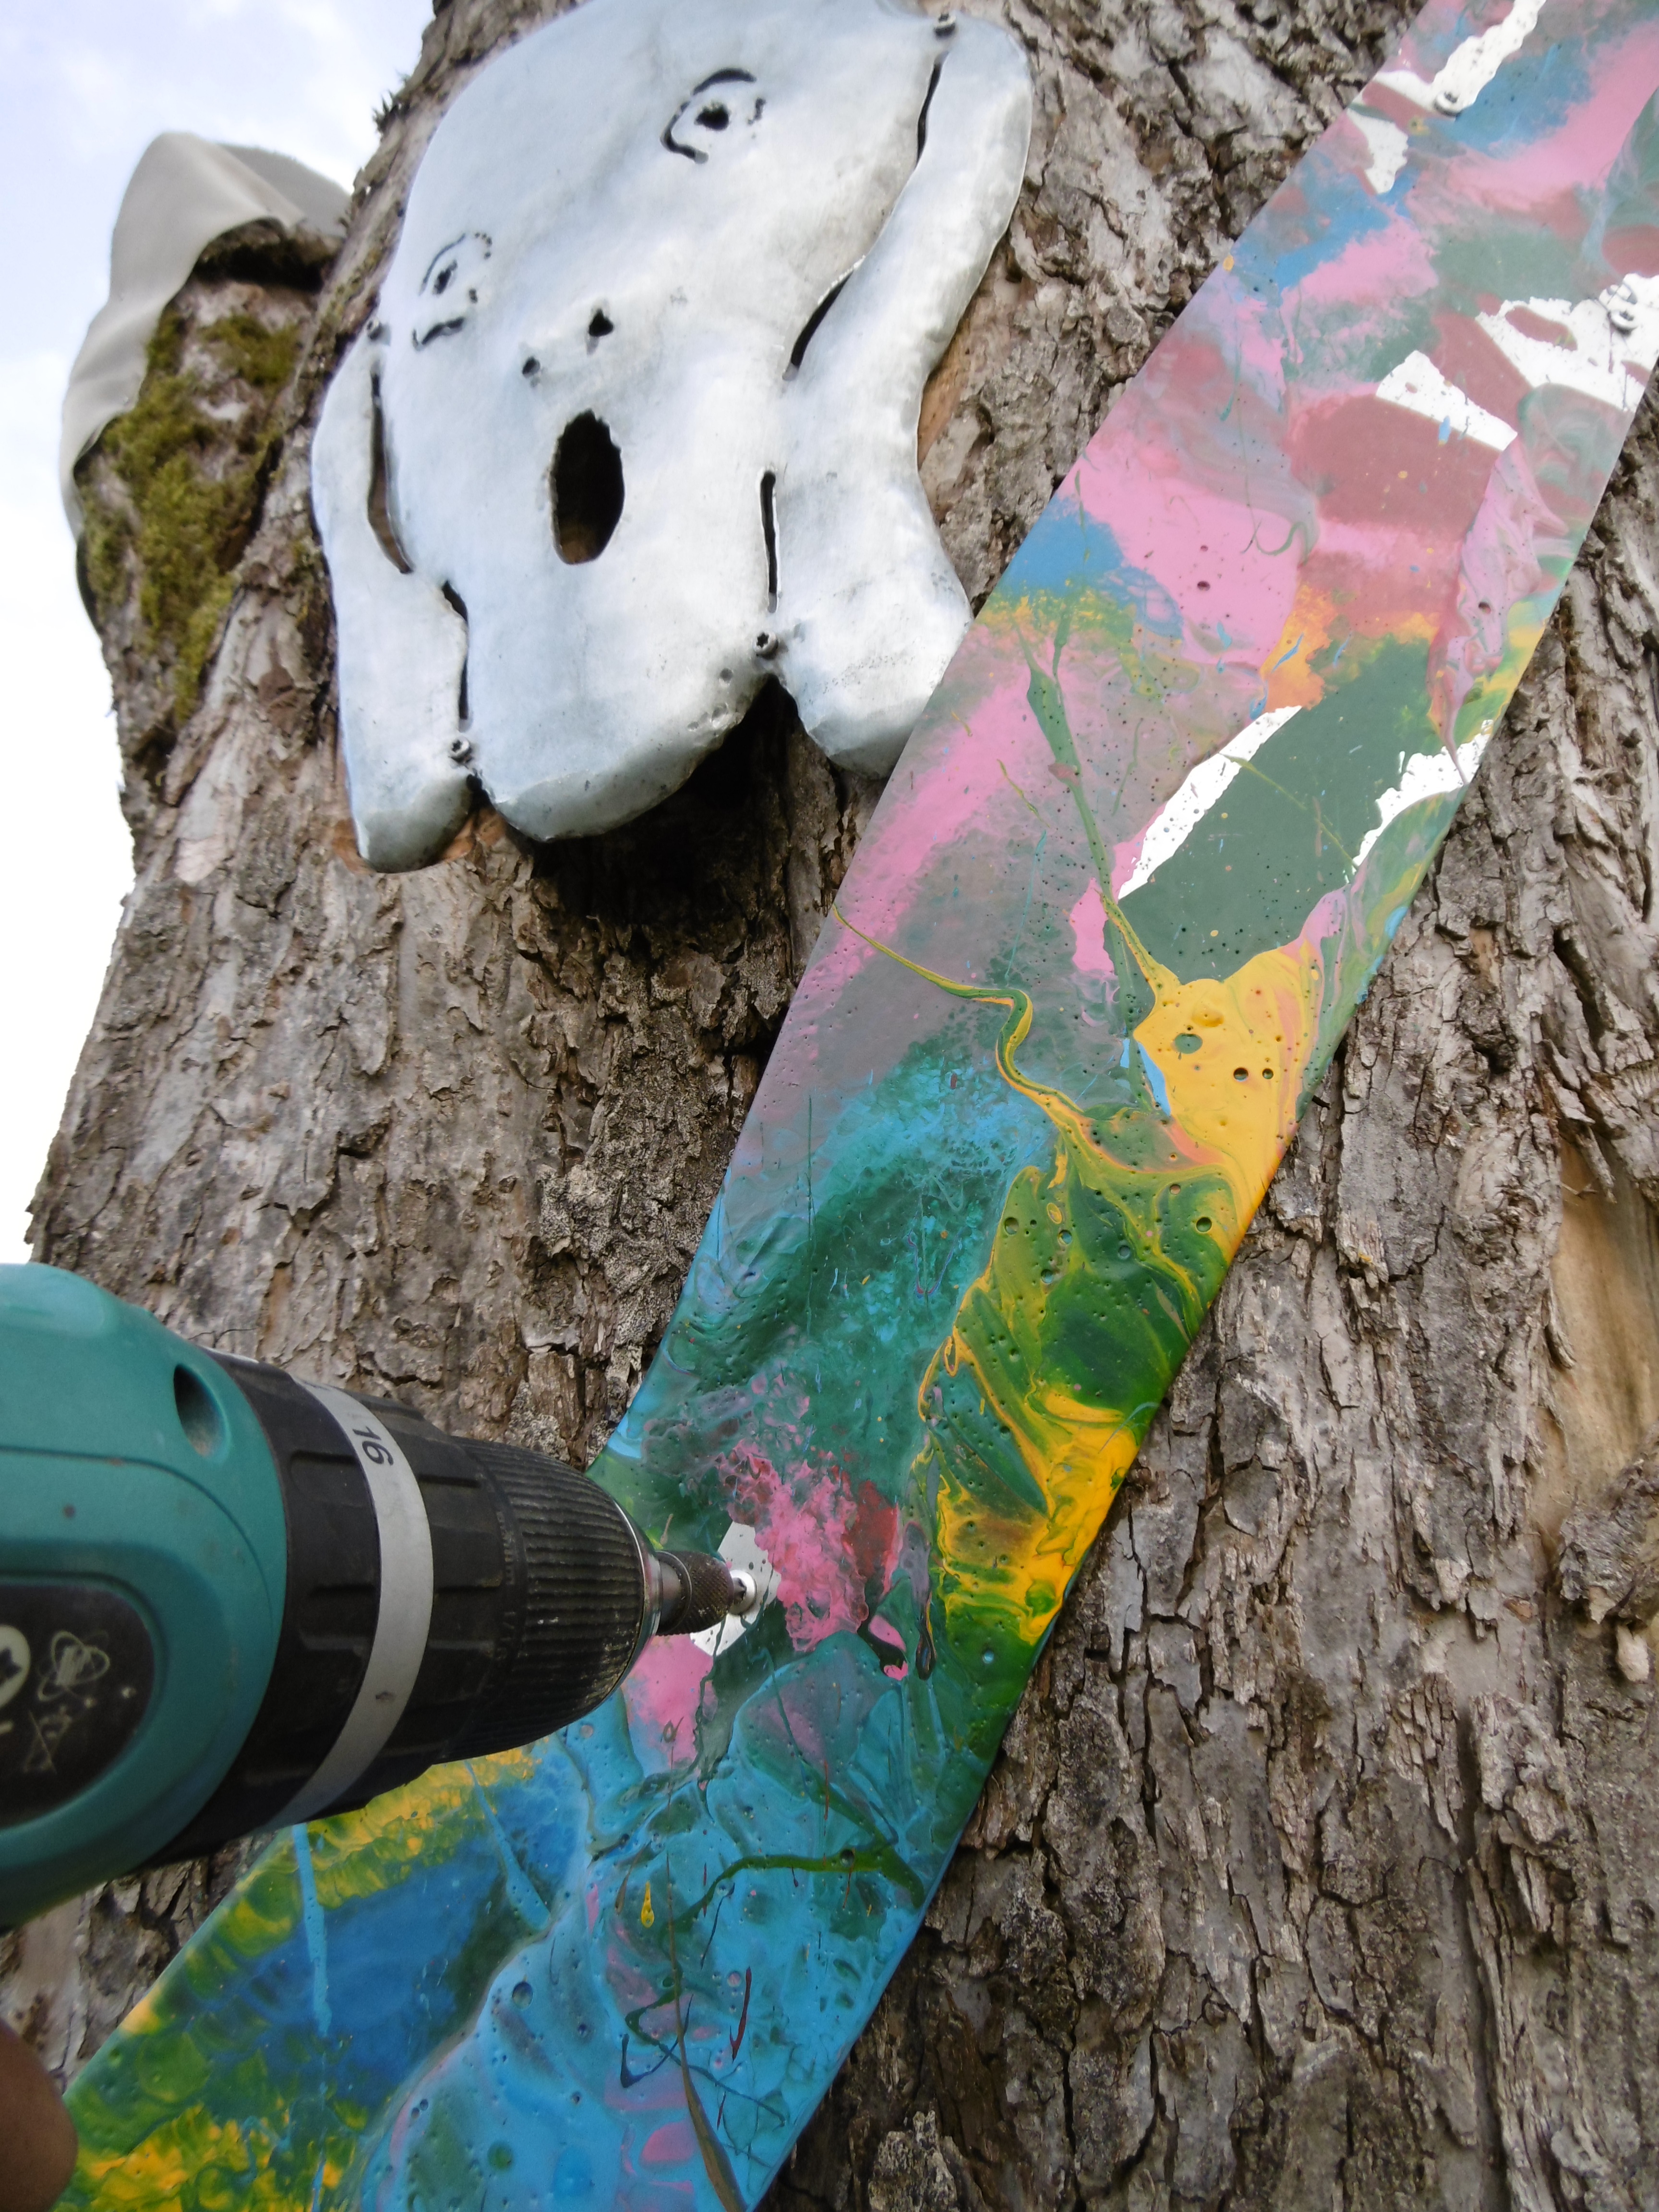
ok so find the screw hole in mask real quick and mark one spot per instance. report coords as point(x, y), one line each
point(586, 480)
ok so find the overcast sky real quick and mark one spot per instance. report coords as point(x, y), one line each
point(88, 84)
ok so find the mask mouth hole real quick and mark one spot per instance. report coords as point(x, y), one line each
point(586, 480)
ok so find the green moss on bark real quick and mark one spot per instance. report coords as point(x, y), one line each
point(193, 503)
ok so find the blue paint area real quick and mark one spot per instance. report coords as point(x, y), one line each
point(316, 1940)
point(1290, 239)
point(1069, 552)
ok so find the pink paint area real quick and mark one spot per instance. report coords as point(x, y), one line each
point(1441, 28)
point(640, 2189)
point(807, 1521)
point(1500, 562)
point(1633, 250)
point(877, 1541)
point(1500, 577)
point(1211, 517)
point(1328, 917)
point(1467, 357)
point(662, 1694)
point(1384, 467)
point(1376, 271)
point(887, 1637)
point(669, 2146)
point(1410, 577)
point(1088, 918)
point(1250, 328)
point(967, 775)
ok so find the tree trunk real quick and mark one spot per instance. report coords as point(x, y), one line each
point(1318, 1868)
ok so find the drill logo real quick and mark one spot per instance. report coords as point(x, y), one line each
point(63, 1690)
point(13, 1665)
point(69, 1667)
point(76, 1669)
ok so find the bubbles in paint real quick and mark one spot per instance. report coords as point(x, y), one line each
point(573, 2176)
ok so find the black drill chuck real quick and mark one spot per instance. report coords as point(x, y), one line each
point(543, 1594)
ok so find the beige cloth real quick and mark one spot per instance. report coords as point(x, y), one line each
point(184, 193)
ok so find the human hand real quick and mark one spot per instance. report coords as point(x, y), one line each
point(36, 2129)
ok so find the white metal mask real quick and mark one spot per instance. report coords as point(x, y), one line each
point(635, 426)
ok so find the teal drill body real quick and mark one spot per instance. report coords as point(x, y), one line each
point(231, 1600)
point(143, 1562)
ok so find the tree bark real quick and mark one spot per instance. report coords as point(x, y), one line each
point(1319, 1865)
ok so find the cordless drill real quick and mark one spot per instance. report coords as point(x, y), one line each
point(230, 1600)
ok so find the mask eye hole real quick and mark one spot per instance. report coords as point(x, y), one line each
point(586, 480)
point(449, 289)
point(699, 119)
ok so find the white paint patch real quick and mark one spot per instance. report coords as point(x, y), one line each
point(1389, 147)
point(1417, 385)
point(740, 1549)
point(1607, 345)
point(1427, 775)
point(1175, 821)
point(712, 248)
point(1472, 66)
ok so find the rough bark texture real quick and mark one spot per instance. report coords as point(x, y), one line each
point(1320, 1867)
